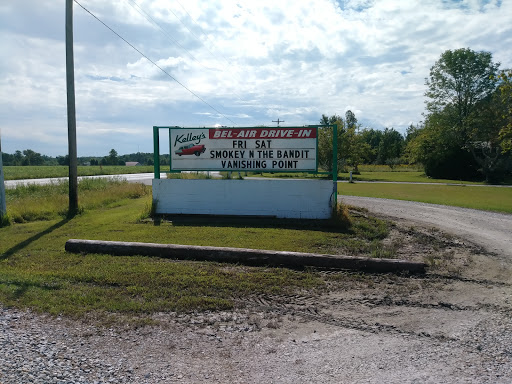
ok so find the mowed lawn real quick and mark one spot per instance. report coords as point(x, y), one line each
point(489, 198)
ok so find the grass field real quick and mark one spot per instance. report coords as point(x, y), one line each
point(37, 273)
point(400, 176)
point(40, 172)
point(497, 199)
point(376, 174)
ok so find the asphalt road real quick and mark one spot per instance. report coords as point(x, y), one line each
point(144, 178)
point(491, 230)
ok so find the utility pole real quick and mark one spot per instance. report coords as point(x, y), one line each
point(278, 121)
point(3, 204)
point(70, 85)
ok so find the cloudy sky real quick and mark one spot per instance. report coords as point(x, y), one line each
point(236, 62)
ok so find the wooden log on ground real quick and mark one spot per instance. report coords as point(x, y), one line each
point(254, 257)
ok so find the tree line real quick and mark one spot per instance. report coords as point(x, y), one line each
point(466, 133)
point(357, 145)
point(30, 157)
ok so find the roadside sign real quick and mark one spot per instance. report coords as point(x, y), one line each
point(255, 149)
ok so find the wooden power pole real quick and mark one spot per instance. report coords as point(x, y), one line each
point(70, 85)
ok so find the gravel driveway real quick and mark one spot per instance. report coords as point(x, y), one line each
point(491, 230)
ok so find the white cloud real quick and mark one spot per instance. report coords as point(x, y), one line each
point(252, 61)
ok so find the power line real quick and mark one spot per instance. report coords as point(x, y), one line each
point(155, 64)
point(203, 32)
point(148, 17)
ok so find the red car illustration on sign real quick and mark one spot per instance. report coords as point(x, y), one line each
point(191, 149)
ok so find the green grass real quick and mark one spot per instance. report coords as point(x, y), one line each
point(41, 172)
point(47, 202)
point(387, 168)
point(400, 176)
point(375, 174)
point(36, 272)
point(489, 198)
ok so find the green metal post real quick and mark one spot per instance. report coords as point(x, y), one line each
point(156, 152)
point(3, 204)
point(335, 163)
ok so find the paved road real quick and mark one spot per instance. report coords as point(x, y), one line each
point(144, 178)
point(491, 230)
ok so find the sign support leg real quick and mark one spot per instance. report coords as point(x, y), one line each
point(335, 165)
point(156, 152)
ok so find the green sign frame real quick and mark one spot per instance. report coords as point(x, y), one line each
point(156, 146)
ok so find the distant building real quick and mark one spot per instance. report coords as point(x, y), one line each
point(132, 163)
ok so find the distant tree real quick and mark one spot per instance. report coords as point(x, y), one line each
point(8, 159)
point(372, 137)
point(325, 142)
point(112, 158)
point(32, 158)
point(356, 149)
point(390, 147)
point(63, 160)
point(94, 162)
point(18, 158)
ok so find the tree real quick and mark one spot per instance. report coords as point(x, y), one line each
point(325, 142)
point(63, 160)
point(32, 158)
point(439, 151)
point(112, 157)
point(372, 137)
point(18, 158)
point(390, 148)
point(505, 89)
point(461, 79)
point(461, 119)
point(356, 149)
point(352, 149)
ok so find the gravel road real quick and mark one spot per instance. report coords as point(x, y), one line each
point(491, 230)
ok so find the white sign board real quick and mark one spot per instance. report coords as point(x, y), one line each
point(284, 149)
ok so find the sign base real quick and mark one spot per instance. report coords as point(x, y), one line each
point(298, 199)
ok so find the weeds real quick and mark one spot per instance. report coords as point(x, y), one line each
point(5, 220)
point(189, 175)
point(47, 202)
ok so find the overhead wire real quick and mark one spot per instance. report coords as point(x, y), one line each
point(155, 64)
point(202, 31)
point(150, 19)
